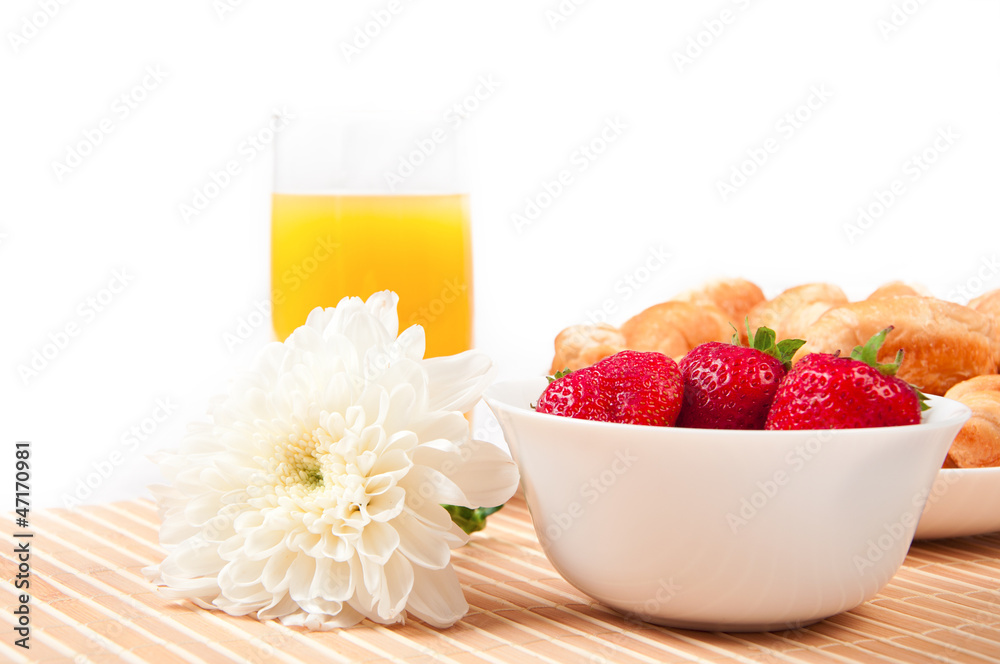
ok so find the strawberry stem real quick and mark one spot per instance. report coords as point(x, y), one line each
point(764, 341)
point(558, 375)
point(869, 355)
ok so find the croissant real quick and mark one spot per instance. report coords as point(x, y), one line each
point(796, 324)
point(897, 288)
point(579, 346)
point(989, 304)
point(944, 343)
point(735, 297)
point(789, 309)
point(978, 443)
point(674, 328)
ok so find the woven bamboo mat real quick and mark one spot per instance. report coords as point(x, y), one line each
point(91, 604)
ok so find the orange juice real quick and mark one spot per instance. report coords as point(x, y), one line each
point(326, 247)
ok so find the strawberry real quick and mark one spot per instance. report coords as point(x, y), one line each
point(729, 386)
point(825, 391)
point(631, 387)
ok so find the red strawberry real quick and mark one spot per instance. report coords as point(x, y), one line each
point(830, 392)
point(729, 386)
point(629, 387)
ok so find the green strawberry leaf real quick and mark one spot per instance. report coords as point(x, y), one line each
point(558, 375)
point(787, 349)
point(735, 339)
point(869, 355)
point(764, 341)
point(468, 519)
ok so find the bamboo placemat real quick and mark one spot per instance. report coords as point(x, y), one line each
point(90, 603)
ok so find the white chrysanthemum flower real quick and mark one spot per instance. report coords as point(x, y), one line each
point(314, 493)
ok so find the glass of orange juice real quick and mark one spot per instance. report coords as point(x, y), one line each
point(369, 202)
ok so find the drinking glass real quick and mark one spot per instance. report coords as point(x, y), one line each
point(369, 202)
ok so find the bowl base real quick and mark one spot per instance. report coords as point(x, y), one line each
point(701, 626)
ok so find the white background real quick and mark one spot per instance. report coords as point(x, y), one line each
point(890, 89)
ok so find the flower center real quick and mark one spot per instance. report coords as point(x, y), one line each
point(299, 461)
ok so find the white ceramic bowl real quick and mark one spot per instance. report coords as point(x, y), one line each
point(723, 530)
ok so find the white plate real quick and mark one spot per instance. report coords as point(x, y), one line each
point(962, 502)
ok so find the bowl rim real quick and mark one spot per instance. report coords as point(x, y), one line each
point(985, 470)
point(961, 414)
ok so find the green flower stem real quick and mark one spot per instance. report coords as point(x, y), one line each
point(470, 520)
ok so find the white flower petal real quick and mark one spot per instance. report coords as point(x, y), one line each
point(263, 543)
point(449, 425)
point(242, 573)
point(197, 590)
point(426, 484)
point(402, 401)
point(281, 605)
point(276, 575)
point(397, 582)
point(302, 577)
point(386, 505)
point(485, 475)
point(334, 581)
point(412, 343)
point(387, 470)
point(337, 548)
point(191, 559)
point(318, 319)
point(242, 606)
point(382, 306)
point(429, 513)
point(202, 509)
point(420, 543)
point(366, 588)
point(457, 381)
point(437, 597)
point(365, 333)
point(377, 543)
point(333, 616)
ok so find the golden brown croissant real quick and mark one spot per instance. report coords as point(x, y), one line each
point(736, 297)
point(796, 324)
point(897, 288)
point(674, 328)
point(944, 343)
point(989, 304)
point(579, 346)
point(789, 308)
point(977, 445)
